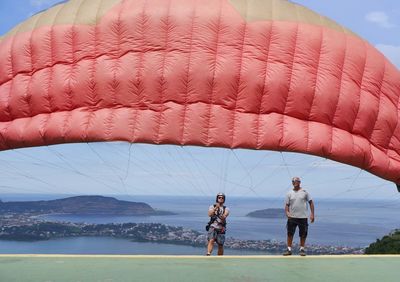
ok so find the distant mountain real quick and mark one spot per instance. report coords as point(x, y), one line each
point(83, 205)
point(268, 213)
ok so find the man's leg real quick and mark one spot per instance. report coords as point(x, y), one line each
point(289, 245)
point(291, 229)
point(289, 240)
point(303, 231)
point(210, 246)
point(220, 242)
point(220, 250)
point(211, 237)
point(302, 242)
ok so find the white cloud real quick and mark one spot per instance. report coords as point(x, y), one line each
point(391, 52)
point(380, 18)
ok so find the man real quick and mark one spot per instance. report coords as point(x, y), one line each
point(217, 224)
point(296, 211)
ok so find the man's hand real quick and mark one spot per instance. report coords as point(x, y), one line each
point(312, 218)
point(216, 209)
point(287, 214)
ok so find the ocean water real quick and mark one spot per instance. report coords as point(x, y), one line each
point(104, 245)
point(355, 223)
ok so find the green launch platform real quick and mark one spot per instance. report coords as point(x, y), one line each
point(109, 268)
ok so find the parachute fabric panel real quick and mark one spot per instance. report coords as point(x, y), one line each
point(208, 73)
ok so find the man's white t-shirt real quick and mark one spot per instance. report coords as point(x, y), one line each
point(297, 202)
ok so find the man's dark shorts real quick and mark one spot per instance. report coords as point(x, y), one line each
point(302, 223)
point(216, 235)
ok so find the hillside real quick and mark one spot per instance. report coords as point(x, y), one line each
point(389, 244)
point(267, 213)
point(84, 205)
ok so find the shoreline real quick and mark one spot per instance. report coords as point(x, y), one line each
point(151, 233)
point(199, 246)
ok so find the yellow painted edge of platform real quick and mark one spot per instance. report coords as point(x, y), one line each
point(193, 256)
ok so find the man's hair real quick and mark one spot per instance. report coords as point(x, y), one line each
point(296, 178)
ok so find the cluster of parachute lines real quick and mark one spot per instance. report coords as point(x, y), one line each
point(127, 170)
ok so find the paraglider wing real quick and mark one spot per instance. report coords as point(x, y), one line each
point(236, 74)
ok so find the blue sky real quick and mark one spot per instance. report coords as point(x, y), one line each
point(121, 168)
point(377, 21)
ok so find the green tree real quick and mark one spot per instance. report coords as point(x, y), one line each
point(389, 244)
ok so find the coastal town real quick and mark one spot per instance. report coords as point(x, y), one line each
point(28, 227)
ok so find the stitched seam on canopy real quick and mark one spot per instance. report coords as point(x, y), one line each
point(42, 128)
point(315, 86)
point(237, 90)
point(352, 145)
point(52, 59)
point(88, 124)
point(361, 86)
point(117, 29)
point(49, 79)
point(268, 45)
point(340, 89)
point(341, 81)
point(134, 123)
point(187, 78)
point(379, 100)
point(93, 95)
point(71, 72)
point(389, 146)
point(289, 87)
point(109, 123)
point(47, 95)
point(8, 109)
point(88, 57)
point(28, 95)
point(74, 61)
point(139, 82)
point(65, 123)
point(163, 82)
point(210, 96)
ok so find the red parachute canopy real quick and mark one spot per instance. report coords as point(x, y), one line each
point(237, 74)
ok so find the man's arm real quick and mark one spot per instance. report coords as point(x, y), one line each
point(287, 210)
point(225, 215)
point(312, 211)
point(287, 203)
point(212, 210)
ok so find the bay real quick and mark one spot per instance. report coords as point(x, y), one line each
point(353, 223)
point(103, 245)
